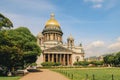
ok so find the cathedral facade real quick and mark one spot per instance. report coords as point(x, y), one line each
point(53, 49)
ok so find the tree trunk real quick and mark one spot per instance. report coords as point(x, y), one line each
point(12, 70)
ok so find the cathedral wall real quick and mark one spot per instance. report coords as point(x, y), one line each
point(77, 57)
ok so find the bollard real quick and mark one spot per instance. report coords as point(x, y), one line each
point(112, 77)
point(68, 74)
point(93, 77)
point(72, 76)
point(86, 76)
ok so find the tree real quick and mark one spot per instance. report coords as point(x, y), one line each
point(9, 53)
point(9, 57)
point(113, 59)
point(117, 59)
point(109, 60)
point(18, 48)
point(5, 23)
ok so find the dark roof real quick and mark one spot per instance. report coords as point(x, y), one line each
point(58, 49)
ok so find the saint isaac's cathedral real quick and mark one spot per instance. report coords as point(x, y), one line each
point(53, 49)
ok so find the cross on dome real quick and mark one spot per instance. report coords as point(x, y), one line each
point(52, 15)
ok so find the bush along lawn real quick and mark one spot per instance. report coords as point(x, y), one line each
point(91, 73)
point(10, 78)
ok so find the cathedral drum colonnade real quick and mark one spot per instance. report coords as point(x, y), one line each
point(53, 49)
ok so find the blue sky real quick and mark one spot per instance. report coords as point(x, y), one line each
point(95, 23)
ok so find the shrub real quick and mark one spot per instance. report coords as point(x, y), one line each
point(96, 63)
point(50, 64)
point(57, 64)
point(3, 71)
point(81, 63)
point(47, 64)
point(99, 62)
point(33, 64)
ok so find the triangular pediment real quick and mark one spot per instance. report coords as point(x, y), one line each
point(57, 49)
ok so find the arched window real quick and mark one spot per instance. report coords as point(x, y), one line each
point(77, 58)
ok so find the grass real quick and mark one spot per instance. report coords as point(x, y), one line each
point(99, 73)
point(9, 78)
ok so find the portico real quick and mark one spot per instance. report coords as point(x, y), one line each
point(63, 58)
point(58, 54)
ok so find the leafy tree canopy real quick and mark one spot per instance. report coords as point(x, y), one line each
point(5, 23)
point(18, 48)
point(113, 59)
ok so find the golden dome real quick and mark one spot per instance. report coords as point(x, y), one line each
point(52, 21)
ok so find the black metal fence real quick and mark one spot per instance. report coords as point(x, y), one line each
point(87, 76)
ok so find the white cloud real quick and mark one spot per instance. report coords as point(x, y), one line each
point(97, 6)
point(95, 44)
point(98, 43)
point(115, 46)
point(95, 48)
point(94, 1)
point(108, 4)
point(118, 39)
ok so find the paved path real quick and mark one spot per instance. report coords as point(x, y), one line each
point(44, 75)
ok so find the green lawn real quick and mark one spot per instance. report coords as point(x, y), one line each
point(9, 78)
point(99, 73)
